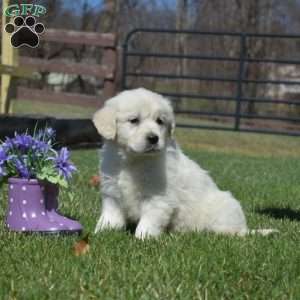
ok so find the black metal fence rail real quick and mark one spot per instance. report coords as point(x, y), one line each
point(240, 80)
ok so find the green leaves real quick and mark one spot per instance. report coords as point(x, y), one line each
point(50, 174)
point(62, 182)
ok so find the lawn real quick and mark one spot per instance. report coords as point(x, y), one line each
point(262, 171)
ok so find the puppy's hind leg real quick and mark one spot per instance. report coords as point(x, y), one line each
point(263, 232)
point(111, 217)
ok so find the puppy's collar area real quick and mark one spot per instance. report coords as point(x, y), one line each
point(133, 158)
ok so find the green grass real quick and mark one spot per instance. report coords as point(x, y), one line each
point(261, 171)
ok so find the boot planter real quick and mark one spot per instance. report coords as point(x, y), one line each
point(28, 210)
point(34, 171)
point(51, 197)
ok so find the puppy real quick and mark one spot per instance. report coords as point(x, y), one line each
point(147, 180)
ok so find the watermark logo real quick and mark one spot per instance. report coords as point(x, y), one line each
point(24, 29)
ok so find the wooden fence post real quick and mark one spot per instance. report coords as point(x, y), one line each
point(110, 61)
point(9, 57)
point(110, 58)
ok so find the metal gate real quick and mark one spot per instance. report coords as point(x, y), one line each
point(222, 110)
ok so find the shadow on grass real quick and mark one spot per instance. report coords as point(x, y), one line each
point(280, 213)
point(131, 227)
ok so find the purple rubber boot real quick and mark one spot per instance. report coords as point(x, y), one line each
point(26, 209)
point(51, 195)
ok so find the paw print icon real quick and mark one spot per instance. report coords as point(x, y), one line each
point(25, 32)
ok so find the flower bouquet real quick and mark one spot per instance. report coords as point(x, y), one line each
point(34, 172)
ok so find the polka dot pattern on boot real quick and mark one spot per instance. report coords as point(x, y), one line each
point(11, 187)
point(24, 202)
point(24, 215)
point(33, 215)
point(24, 188)
point(11, 200)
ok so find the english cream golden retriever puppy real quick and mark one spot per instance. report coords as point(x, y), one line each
point(146, 178)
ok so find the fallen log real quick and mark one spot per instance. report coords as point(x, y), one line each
point(74, 133)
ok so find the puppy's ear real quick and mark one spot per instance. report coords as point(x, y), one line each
point(105, 121)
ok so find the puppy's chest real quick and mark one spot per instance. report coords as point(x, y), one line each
point(138, 186)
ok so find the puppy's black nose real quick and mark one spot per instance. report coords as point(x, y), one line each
point(152, 138)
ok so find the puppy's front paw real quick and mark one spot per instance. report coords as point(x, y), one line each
point(109, 222)
point(143, 232)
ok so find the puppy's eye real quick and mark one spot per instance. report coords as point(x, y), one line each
point(159, 121)
point(134, 121)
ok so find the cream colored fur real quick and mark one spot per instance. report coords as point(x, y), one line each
point(156, 186)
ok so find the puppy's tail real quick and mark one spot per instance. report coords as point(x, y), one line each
point(263, 232)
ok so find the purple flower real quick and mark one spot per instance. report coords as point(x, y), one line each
point(3, 159)
point(22, 141)
point(46, 134)
point(21, 167)
point(40, 147)
point(63, 165)
point(3, 156)
point(8, 144)
point(49, 133)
